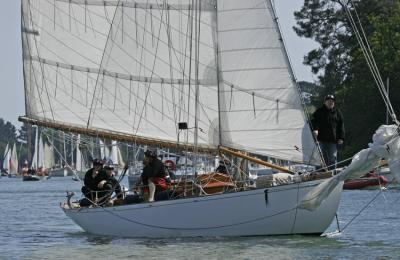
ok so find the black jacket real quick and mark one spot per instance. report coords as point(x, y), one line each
point(112, 184)
point(90, 182)
point(329, 124)
point(153, 169)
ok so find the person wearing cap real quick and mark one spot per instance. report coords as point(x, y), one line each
point(328, 128)
point(92, 179)
point(153, 175)
point(169, 170)
point(25, 169)
point(110, 184)
point(223, 167)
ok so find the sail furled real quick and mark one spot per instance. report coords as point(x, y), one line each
point(122, 66)
point(261, 110)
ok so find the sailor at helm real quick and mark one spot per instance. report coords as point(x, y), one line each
point(153, 176)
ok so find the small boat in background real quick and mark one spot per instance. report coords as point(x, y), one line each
point(369, 181)
point(30, 178)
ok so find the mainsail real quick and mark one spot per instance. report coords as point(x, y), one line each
point(13, 170)
point(35, 158)
point(139, 68)
point(48, 156)
point(6, 158)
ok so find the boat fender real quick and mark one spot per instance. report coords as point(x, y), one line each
point(266, 196)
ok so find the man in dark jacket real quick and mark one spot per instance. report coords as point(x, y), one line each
point(327, 123)
point(111, 184)
point(93, 177)
point(223, 167)
point(153, 175)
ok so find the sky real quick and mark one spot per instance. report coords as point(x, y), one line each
point(12, 102)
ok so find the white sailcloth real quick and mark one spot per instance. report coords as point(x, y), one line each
point(114, 152)
point(121, 162)
point(115, 155)
point(40, 148)
point(104, 150)
point(35, 161)
point(14, 161)
point(48, 156)
point(79, 161)
point(260, 107)
point(6, 158)
point(140, 68)
point(386, 144)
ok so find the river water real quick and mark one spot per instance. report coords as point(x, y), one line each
point(32, 226)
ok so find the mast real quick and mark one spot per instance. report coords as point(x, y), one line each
point(196, 68)
point(218, 73)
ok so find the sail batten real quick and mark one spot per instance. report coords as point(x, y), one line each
point(118, 75)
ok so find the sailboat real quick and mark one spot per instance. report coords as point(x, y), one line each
point(6, 160)
point(197, 76)
point(38, 169)
point(14, 165)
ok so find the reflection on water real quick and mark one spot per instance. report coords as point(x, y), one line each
point(34, 227)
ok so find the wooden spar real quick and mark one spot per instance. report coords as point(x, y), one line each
point(255, 160)
point(117, 136)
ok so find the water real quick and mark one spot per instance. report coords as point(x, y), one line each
point(32, 226)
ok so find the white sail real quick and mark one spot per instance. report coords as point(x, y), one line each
point(80, 159)
point(48, 156)
point(6, 158)
point(114, 152)
point(41, 154)
point(261, 111)
point(13, 170)
point(121, 162)
point(134, 87)
point(35, 161)
point(104, 150)
point(134, 68)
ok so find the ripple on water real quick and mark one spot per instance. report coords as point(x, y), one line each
point(34, 227)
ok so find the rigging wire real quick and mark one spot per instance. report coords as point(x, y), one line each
point(366, 49)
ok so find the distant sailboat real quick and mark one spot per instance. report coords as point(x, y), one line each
point(37, 171)
point(14, 170)
point(6, 161)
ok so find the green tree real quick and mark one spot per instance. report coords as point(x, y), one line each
point(7, 136)
point(341, 66)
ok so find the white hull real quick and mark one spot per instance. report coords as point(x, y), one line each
point(271, 211)
point(35, 178)
point(61, 172)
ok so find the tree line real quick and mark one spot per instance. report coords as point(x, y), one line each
point(340, 65)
